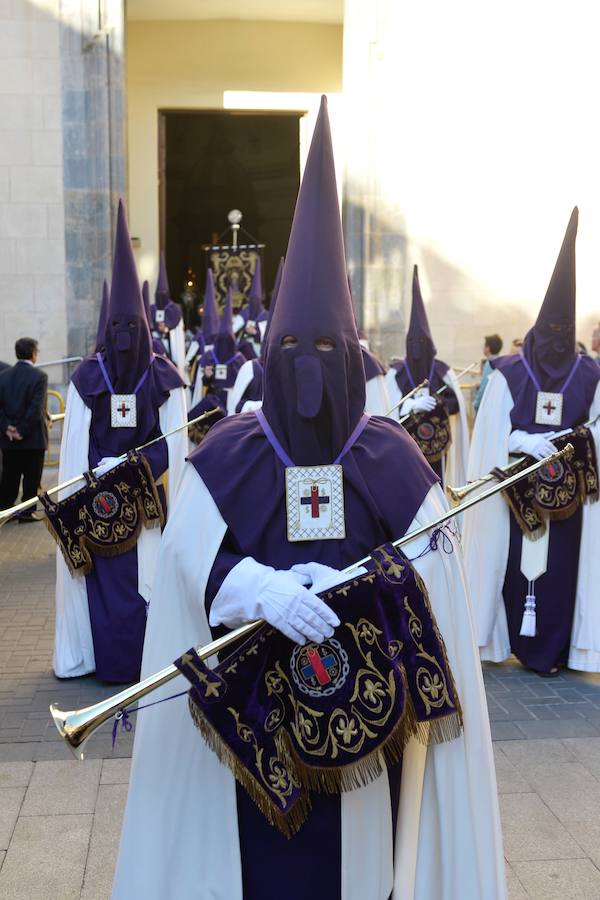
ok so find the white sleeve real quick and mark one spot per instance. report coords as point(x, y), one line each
point(585, 637)
point(172, 414)
point(243, 379)
point(73, 645)
point(486, 528)
point(393, 392)
point(456, 468)
point(377, 401)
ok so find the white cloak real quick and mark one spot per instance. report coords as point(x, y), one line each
point(242, 380)
point(177, 349)
point(181, 816)
point(486, 538)
point(73, 645)
point(455, 465)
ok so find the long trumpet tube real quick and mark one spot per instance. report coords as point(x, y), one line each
point(439, 391)
point(417, 387)
point(76, 726)
point(57, 362)
point(6, 514)
point(459, 493)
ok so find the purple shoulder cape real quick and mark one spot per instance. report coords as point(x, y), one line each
point(87, 379)
point(386, 479)
point(373, 367)
point(577, 399)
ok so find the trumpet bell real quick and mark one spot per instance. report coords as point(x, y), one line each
point(69, 730)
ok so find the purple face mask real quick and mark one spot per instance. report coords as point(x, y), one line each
point(309, 386)
point(123, 341)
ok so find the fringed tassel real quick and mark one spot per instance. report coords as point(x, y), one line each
point(529, 623)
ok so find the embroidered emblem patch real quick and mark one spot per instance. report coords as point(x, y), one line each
point(548, 408)
point(320, 670)
point(552, 472)
point(123, 411)
point(159, 315)
point(425, 431)
point(105, 505)
point(315, 503)
point(220, 372)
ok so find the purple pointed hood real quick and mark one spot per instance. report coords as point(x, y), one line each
point(128, 345)
point(549, 346)
point(420, 349)
point(314, 397)
point(162, 295)
point(210, 317)
point(102, 318)
point(256, 295)
point(274, 294)
point(225, 340)
point(158, 348)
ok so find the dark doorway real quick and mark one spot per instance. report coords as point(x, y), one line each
point(211, 162)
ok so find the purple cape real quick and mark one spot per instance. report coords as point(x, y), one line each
point(577, 399)
point(373, 366)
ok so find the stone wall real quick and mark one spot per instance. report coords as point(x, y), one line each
point(32, 246)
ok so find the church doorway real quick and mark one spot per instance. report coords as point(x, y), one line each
point(212, 162)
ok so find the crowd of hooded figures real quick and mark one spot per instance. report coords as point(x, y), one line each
point(316, 456)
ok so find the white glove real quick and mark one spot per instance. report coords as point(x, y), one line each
point(322, 578)
point(536, 445)
point(106, 464)
point(253, 591)
point(418, 404)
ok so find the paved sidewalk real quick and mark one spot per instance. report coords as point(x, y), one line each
point(60, 819)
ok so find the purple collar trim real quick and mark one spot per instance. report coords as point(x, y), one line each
point(531, 374)
point(217, 363)
point(106, 377)
point(410, 376)
point(286, 460)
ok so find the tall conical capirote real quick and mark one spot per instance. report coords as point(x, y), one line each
point(225, 340)
point(146, 301)
point(420, 348)
point(549, 346)
point(128, 344)
point(102, 318)
point(162, 294)
point(210, 316)
point(274, 294)
point(314, 396)
point(255, 297)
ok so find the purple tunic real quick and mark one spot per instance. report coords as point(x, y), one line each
point(555, 590)
point(117, 610)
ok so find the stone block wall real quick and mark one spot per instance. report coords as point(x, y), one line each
point(32, 245)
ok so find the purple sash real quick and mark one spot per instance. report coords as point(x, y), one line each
point(290, 719)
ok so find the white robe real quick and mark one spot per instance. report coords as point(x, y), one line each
point(455, 465)
point(177, 348)
point(73, 645)
point(377, 400)
point(486, 538)
point(181, 814)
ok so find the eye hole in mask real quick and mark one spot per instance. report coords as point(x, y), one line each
point(288, 340)
point(325, 343)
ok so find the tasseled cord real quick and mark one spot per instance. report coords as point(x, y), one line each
point(529, 623)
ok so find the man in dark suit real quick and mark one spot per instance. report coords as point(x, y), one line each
point(23, 427)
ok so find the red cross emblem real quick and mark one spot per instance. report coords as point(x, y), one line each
point(315, 502)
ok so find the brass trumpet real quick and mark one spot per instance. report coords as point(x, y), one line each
point(77, 726)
